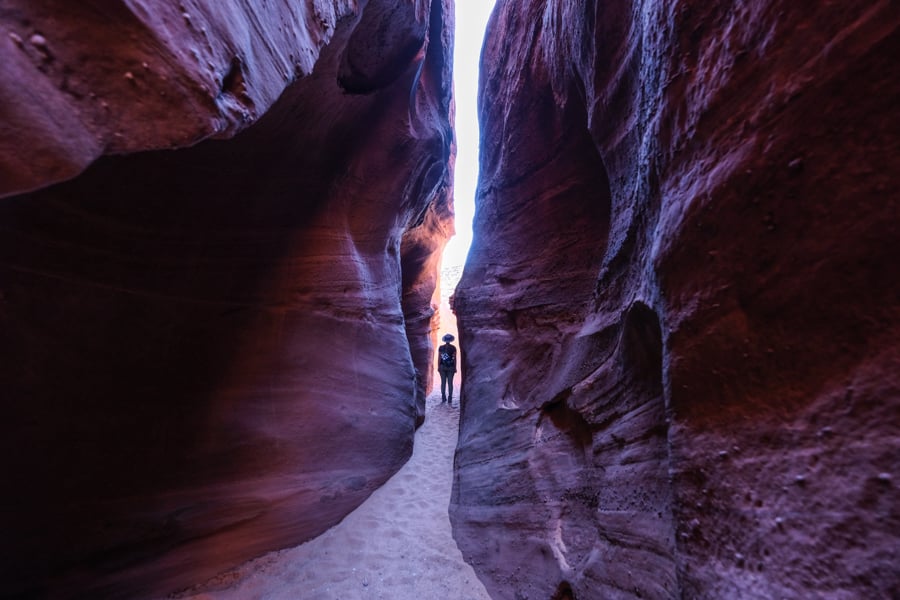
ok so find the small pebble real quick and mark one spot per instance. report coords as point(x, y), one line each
point(16, 39)
point(129, 75)
point(38, 41)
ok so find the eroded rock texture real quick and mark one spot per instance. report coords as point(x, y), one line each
point(679, 319)
point(212, 351)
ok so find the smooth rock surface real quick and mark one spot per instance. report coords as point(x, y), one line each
point(681, 312)
point(210, 352)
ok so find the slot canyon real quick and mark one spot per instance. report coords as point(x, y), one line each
point(221, 231)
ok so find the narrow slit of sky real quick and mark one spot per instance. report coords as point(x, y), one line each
point(471, 20)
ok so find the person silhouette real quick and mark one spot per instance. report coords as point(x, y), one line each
point(447, 368)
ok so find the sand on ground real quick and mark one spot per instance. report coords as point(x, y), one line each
point(396, 546)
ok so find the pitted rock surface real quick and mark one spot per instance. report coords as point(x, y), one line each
point(680, 314)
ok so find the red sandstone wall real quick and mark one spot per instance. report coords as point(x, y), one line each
point(680, 315)
point(211, 351)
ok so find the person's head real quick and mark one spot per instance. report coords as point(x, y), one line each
point(448, 338)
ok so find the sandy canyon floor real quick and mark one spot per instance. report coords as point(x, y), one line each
point(397, 545)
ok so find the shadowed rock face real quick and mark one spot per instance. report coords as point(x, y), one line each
point(212, 351)
point(679, 319)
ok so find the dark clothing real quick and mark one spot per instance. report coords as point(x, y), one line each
point(446, 386)
point(446, 369)
point(447, 358)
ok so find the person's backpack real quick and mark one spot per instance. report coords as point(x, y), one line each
point(446, 359)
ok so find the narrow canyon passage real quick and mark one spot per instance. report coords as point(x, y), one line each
point(397, 545)
point(222, 233)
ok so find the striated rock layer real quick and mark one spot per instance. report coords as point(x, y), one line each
point(681, 312)
point(212, 351)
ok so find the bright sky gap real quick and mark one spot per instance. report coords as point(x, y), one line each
point(471, 20)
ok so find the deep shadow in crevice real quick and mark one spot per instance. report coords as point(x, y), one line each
point(642, 347)
point(233, 82)
point(568, 421)
point(563, 592)
point(365, 68)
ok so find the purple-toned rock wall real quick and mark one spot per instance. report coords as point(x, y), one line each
point(680, 316)
point(209, 347)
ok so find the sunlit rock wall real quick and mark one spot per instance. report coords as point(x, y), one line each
point(420, 251)
point(209, 349)
point(681, 313)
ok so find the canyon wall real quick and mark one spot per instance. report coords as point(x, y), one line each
point(219, 229)
point(681, 312)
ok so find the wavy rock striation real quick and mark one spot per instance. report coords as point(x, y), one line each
point(680, 314)
point(210, 349)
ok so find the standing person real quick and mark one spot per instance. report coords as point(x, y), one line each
point(447, 368)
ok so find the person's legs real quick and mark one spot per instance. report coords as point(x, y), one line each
point(450, 388)
point(443, 374)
